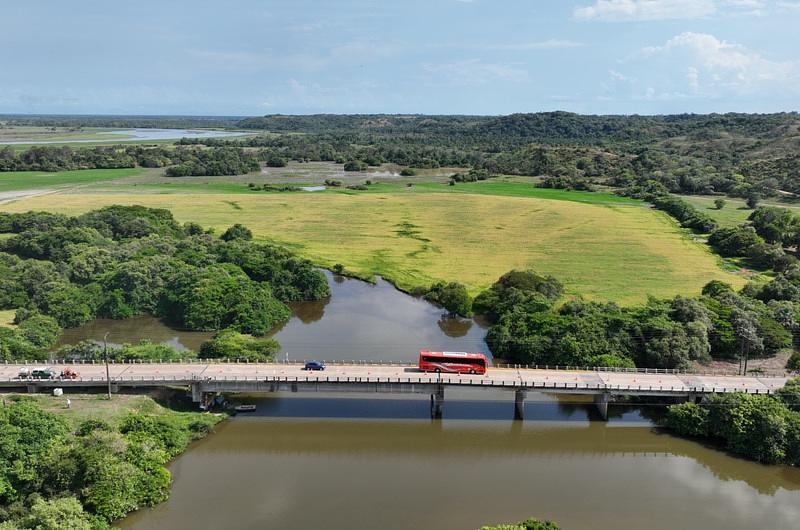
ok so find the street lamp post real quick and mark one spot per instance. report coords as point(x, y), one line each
point(105, 357)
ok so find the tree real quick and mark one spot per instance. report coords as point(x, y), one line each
point(275, 160)
point(58, 514)
point(355, 165)
point(687, 419)
point(719, 204)
point(745, 325)
point(752, 201)
point(230, 344)
point(452, 296)
point(237, 232)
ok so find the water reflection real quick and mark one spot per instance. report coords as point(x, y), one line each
point(459, 474)
point(360, 321)
point(454, 326)
point(377, 322)
point(132, 331)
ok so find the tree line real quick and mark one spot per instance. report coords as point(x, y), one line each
point(119, 261)
point(759, 427)
point(530, 327)
point(179, 161)
point(735, 154)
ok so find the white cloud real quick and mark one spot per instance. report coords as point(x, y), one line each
point(474, 72)
point(641, 10)
point(699, 65)
point(648, 10)
point(726, 63)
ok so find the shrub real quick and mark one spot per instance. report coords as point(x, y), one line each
point(230, 344)
point(452, 296)
point(237, 232)
point(687, 419)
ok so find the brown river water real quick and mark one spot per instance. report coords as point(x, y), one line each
point(360, 321)
point(353, 463)
point(306, 461)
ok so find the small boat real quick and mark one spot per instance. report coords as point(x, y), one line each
point(244, 408)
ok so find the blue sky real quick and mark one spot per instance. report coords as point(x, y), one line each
point(249, 57)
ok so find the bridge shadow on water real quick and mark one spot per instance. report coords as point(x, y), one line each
point(417, 407)
point(551, 428)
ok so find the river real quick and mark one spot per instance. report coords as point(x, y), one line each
point(350, 463)
point(139, 134)
point(360, 321)
point(342, 463)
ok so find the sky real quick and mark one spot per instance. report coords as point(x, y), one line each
point(256, 57)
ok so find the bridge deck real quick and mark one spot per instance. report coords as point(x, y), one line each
point(238, 376)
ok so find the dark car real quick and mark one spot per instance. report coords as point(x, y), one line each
point(314, 365)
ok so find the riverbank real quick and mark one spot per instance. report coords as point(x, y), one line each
point(90, 460)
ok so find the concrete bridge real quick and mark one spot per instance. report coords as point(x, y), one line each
point(204, 378)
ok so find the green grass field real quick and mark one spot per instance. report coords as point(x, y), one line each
point(735, 211)
point(29, 180)
point(600, 246)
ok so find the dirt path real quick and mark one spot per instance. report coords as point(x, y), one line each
point(11, 196)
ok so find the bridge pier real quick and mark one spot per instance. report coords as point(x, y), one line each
point(32, 389)
point(601, 402)
point(437, 400)
point(519, 404)
point(197, 393)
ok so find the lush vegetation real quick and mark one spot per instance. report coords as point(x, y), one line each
point(744, 155)
point(601, 246)
point(528, 328)
point(763, 428)
point(119, 261)
point(82, 475)
point(182, 161)
point(529, 524)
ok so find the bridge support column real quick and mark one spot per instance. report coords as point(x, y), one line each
point(519, 404)
point(437, 400)
point(32, 389)
point(601, 402)
point(197, 393)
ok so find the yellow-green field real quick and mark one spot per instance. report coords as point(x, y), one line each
point(614, 252)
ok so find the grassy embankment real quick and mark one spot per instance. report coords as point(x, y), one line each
point(599, 245)
point(98, 407)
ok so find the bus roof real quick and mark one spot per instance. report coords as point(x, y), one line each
point(450, 354)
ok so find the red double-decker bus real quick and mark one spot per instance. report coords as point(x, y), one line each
point(452, 362)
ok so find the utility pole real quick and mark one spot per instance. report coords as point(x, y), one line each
point(105, 357)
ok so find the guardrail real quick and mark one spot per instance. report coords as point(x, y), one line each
point(460, 381)
point(276, 362)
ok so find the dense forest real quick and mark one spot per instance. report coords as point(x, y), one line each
point(60, 271)
point(743, 155)
point(180, 162)
point(735, 154)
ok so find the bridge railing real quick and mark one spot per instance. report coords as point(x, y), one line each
point(406, 364)
point(578, 386)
